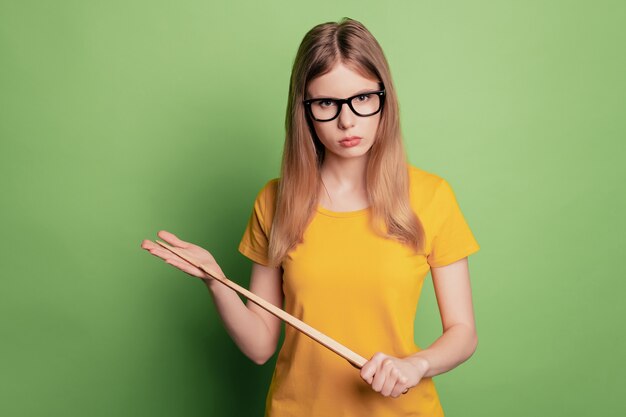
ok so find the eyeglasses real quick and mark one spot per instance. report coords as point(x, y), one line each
point(363, 104)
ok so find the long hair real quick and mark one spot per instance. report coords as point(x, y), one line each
point(387, 177)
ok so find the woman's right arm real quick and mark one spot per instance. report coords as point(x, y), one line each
point(254, 330)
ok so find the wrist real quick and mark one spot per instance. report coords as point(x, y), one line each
point(420, 362)
point(211, 284)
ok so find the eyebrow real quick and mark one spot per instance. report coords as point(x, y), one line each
point(361, 91)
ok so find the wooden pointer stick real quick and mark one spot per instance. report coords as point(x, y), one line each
point(355, 359)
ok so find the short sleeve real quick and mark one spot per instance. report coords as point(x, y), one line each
point(452, 238)
point(255, 241)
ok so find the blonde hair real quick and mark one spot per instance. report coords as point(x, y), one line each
point(387, 177)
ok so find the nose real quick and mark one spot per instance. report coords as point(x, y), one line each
point(346, 118)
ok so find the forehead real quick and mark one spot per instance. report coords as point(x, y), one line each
point(340, 81)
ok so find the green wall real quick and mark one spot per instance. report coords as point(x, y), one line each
point(121, 118)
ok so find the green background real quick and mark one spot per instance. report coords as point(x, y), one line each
point(121, 118)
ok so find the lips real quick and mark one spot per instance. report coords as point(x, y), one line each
point(350, 141)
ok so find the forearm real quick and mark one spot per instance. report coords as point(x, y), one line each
point(452, 348)
point(244, 326)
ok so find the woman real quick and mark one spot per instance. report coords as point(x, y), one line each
point(343, 241)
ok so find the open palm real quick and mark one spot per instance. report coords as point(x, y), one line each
point(195, 251)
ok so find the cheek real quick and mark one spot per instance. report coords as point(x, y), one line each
point(324, 132)
point(372, 126)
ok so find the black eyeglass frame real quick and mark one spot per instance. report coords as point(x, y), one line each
point(341, 101)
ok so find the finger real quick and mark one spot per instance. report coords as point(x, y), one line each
point(162, 253)
point(148, 244)
point(174, 260)
point(173, 239)
point(400, 388)
point(390, 382)
point(186, 267)
point(367, 372)
point(382, 374)
point(369, 369)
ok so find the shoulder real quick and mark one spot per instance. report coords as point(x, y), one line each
point(269, 190)
point(423, 185)
point(429, 192)
point(265, 202)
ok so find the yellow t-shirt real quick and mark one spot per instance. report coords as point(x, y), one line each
point(362, 290)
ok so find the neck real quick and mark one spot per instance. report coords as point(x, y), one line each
point(344, 172)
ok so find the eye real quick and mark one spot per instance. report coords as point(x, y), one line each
point(326, 103)
point(363, 97)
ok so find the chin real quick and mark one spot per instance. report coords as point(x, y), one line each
point(349, 153)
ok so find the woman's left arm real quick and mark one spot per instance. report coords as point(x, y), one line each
point(393, 376)
point(459, 340)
